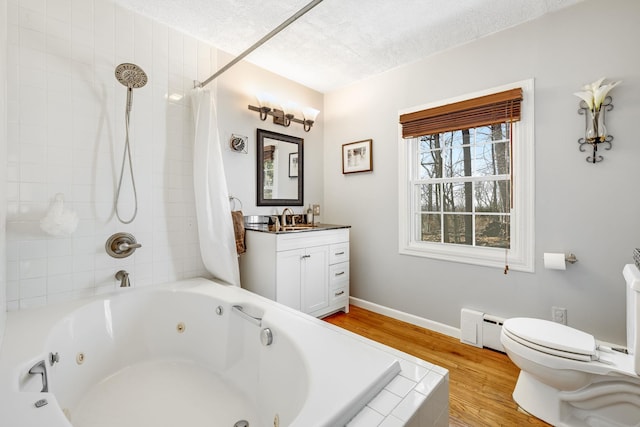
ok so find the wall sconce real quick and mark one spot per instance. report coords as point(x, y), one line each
point(594, 105)
point(309, 115)
point(283, 114)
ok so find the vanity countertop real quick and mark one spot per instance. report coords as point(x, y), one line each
point(264, 228)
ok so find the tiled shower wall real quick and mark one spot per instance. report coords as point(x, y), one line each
point(66, 133)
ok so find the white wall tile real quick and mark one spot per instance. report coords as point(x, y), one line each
point(33, 249)
point(35, 302)
point(32, 39)
point(58, 32)
point(59, 247)
point(60, 10)
point(123, 35)
point(142, 42)
point(31, 268)
point(35, 5)
point(66, 134)
point(33, 287)
point(33, 173)
point(32, 192)
point(33, 103)
point(13, 191)
point(33, 77)
point(13, 290)
point(31, 19)
point(82, 14)
point(13, 172)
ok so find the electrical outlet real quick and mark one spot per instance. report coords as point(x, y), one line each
point(559, 315)
point(316, 210)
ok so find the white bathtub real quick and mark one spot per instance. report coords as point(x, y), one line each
point(180, 354)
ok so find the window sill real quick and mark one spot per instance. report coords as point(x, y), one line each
point(485, 257)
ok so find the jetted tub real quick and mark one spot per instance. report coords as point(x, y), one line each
point(182, 354)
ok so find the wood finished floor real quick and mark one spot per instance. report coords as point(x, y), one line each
point(480, 380)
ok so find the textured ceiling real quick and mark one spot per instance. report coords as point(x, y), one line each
point(341, 41)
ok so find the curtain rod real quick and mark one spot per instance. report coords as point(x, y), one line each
point(259, 43)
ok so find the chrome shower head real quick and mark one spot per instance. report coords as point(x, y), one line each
point(131, 76)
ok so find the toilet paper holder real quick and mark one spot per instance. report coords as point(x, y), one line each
point(558, 260)
point(571, 258)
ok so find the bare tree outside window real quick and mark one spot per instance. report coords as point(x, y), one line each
point(463, 186)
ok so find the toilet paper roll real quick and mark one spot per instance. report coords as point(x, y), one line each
point(554, 261)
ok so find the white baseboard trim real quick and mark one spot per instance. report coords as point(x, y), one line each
point(406, 317)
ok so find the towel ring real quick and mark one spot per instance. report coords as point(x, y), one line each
point(234, 200)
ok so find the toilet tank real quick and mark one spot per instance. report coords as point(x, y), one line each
point(632, 278)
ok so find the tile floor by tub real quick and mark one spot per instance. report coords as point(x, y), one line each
point(417, 397)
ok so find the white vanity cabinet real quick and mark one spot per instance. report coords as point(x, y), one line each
point(308, 271)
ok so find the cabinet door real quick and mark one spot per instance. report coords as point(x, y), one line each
point(315, 280)
point(289, 266)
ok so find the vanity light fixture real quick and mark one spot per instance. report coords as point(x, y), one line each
point(283, 114)
point(309, 115)
point(594, 105)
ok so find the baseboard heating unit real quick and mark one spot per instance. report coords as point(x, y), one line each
point(480, 329)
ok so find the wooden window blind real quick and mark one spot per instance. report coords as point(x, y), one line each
point(482, 111)
point(269, 151)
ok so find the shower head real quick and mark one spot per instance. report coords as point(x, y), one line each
point(131, 76)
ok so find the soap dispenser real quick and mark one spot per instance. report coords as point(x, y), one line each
point(310, 215)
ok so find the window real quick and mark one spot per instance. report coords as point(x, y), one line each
point(466, 179)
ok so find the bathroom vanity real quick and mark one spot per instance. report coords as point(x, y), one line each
point(306, 269)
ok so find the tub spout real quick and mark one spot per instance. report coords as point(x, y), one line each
point(40, 368)
point(123, 276)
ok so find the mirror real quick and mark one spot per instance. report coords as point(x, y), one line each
point(280, 169)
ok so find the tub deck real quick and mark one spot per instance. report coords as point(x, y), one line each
point(361, 379)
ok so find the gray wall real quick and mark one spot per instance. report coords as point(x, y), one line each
point(3, 164)
point(236, 89)
point(591, 210)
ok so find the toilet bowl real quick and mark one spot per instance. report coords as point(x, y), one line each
point(567, 379)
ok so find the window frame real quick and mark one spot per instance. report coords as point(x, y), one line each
point(520, 256)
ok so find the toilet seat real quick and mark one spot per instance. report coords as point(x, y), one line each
point(551, 338)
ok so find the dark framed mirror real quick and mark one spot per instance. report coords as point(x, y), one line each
point(280, 172)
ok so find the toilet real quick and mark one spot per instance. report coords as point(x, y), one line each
point(567, 378)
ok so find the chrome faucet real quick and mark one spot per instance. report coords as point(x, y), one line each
point(283, 219)
point(40, 368)
point(123, 276)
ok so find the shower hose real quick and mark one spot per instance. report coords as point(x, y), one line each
point(127, 154)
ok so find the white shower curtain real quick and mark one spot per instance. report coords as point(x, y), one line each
point(215, 225)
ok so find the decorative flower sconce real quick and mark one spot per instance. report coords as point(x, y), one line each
point(284, 114)
point(594, 105)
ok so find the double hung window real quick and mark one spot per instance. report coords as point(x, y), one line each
point(466, 177)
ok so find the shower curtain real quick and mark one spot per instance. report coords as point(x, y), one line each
point(215, 224)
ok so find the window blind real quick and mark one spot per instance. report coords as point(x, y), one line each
point(269, 151)
point(482, 111)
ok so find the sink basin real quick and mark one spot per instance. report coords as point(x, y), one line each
point(297, 227)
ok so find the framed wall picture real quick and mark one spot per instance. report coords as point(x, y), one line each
point(357, 156)
point(293, 165)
